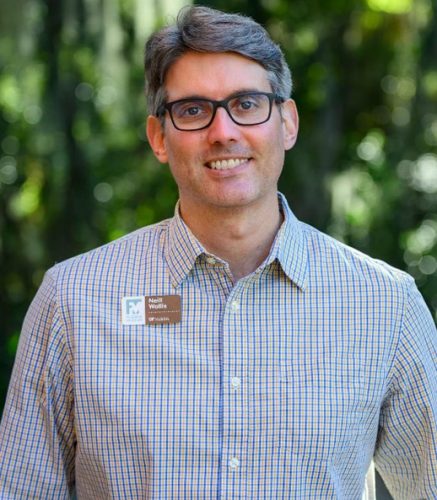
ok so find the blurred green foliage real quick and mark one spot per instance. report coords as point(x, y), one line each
point(76, 171)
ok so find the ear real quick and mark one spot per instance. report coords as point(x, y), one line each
point(155, 135)
point(290, 123)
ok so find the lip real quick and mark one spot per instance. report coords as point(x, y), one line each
point(227, 172)
point(226, 163)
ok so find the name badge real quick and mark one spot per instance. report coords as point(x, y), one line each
point(151, 310)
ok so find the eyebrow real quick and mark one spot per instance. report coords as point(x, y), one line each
point(195, 97)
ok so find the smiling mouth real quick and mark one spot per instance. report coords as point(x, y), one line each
point(226, 164)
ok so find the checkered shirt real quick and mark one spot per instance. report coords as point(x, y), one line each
point(284, 385)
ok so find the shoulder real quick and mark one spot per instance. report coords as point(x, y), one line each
point(345, 265)
point(109, 261)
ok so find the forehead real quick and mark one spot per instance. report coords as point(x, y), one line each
point(214, 75)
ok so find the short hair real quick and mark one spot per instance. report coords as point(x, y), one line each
point(203, 29)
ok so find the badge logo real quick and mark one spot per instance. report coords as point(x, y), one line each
point(133, 311)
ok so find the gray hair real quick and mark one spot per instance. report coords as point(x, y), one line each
point(203, 29)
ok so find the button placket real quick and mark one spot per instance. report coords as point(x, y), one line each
point(235, 409)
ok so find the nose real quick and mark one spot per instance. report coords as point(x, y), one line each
point(222, 129)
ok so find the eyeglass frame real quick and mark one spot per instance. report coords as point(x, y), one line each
point(220, 104)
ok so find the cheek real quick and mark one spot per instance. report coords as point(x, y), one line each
point(274, 145)
point(184, 163)
point(182, 149)
point(275, 155)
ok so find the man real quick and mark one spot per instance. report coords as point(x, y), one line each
point(231, 351)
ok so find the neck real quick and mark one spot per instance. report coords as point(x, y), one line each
point(240, 236)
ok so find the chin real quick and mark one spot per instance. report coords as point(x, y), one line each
point(234, 201)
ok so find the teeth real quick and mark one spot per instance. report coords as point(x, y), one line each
point(227, 164)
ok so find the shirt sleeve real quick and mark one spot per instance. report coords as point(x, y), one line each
point(37, 440)
point(406, 451)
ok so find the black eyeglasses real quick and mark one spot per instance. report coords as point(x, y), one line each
point(246, 108)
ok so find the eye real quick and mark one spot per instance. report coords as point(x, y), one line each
point(190, 109)
point(247, 103)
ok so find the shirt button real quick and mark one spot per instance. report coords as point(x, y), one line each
point(210, 260)
point(234, 463)
point(235, 382)
point(235, 305)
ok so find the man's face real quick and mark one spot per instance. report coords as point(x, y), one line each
point(257, 151)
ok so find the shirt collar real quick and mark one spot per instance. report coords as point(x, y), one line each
point(290, 246)
point(182, 248)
